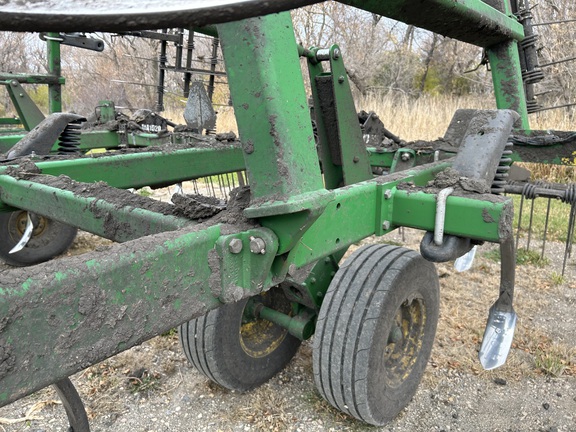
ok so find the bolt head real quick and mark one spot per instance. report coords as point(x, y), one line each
point(386, 225)
point(257, 245)
point(341, 79)
point(235, 246)
point(336, 54)
point(292, 269)
point(405, 157)
point(388, 194)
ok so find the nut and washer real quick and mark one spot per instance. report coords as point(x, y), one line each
point(257, 245)
point(387, 194)
point(386, 225)
point(235, 246)
point(405, 157)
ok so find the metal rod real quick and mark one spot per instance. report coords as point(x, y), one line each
point(179, 48)
point(558, 62)
point(161, 75)
point(546, 228)
point(189, 54)
point(213, 62)
point(530, 225)
point(553, 22)
point(554, 107)
point(569, 237)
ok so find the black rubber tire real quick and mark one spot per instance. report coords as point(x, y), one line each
point(50, 239)
point(236, 354)
point(358, 368)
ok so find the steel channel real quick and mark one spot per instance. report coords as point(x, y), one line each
point(471, 21)
point(271, 107)
point(59, 319)
point(161, 168)
point(112, 220)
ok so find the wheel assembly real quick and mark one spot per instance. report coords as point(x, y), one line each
point(49, 238)
point(234, 348)
point(375, 332)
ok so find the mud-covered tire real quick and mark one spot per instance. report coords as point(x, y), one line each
point(49, 239)
point(375, 332)
point(237, 352)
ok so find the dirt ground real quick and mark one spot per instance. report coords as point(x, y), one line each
point(152, 388)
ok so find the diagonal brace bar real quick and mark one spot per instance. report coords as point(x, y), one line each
point(114, 220)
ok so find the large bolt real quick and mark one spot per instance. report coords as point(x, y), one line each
point(257, 245)
point(235, 246)
point(336, 54)
point(405, 157)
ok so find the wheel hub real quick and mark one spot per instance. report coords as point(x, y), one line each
point(404, 341)
point(22, 219)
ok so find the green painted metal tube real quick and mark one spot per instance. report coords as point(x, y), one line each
point(378, 206)
point(55, 69)
point(113, 220)
point(507, 78)
point(471, 21)
point(271, 108)
point(466, 216)
point(32, 78)
point(147, 168)
point(58, 318)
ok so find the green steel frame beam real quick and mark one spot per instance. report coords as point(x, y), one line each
point(27, 110)
point(379, 206)
point(136, 170)
point(112, 220)
point(55, 69)
point(97, 140)
point(263, 69)
point(471, 21)
point(96, 306)
point(507, 78)
point(32, 78)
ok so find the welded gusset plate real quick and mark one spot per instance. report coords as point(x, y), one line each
point(109, 15)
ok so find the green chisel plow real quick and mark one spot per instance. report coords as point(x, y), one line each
point(247, 279)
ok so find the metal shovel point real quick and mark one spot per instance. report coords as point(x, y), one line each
point(25, 237)
point(501, 318)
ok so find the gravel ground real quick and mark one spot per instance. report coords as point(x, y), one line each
point(151, 388)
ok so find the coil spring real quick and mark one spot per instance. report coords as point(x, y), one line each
point(570, 194)
point(69, 140)
point(501, 177)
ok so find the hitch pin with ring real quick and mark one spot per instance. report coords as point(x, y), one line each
point(464, 262)
point(441, 215)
